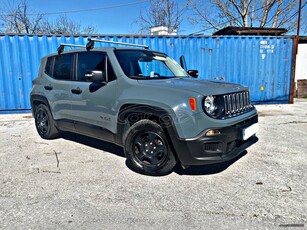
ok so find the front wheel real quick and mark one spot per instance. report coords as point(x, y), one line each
point(147, 149)
point(44, 123)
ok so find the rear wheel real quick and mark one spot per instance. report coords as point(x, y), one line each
point(147, 149)
point(44, 123)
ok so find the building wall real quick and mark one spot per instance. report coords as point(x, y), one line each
point(262, 63)
point(301, 63)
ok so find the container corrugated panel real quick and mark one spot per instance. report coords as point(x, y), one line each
point(262, 63)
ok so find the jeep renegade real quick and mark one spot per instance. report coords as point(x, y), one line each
point(145, 102)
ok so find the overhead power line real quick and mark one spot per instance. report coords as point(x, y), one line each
point(84, 10)
point(293, 15)
point(226, 22)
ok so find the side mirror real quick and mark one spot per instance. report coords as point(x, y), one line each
point(96, 76)
point(183, 63)
point(193, 73)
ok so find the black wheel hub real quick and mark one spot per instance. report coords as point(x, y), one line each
point(150, 148)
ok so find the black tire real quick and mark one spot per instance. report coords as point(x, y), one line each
point(147, 149)
point(44, 123)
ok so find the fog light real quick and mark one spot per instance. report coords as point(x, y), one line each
point(213, 132)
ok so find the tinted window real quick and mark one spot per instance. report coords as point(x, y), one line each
point(63, 66)
point(48, 67)
point(88, 61)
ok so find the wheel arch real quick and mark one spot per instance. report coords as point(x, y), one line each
point(36, 100)
point(132, 113)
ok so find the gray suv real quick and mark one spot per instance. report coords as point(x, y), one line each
point(145, 102)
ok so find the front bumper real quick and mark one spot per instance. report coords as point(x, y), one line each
point(203, 149)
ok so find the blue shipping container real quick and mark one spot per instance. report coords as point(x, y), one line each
point(262, 63)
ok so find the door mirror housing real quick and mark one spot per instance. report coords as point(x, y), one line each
point(96, 76)
point(183, 63)
point(193, 73)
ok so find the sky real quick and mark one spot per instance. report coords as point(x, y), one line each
point(117, 20)
point(114, 17)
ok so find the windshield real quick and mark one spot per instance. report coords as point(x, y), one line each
point(144, 64)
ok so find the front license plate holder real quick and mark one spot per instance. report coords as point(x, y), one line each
point(250, 131)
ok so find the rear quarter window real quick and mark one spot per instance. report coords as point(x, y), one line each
point(49, 66)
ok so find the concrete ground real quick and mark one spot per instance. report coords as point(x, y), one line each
point(64, 184)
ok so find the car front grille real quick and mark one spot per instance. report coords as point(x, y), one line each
point(237, 103)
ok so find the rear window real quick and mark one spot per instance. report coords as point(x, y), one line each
point(62, 69)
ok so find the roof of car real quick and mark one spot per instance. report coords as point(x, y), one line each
point(105, 49)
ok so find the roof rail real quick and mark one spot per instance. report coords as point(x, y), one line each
point(91, 42)
point(62, 45)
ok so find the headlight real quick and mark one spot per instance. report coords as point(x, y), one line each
point(209, 105)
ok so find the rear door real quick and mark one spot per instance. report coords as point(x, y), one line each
point(58, 87)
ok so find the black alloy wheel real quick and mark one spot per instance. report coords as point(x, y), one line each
point(147, 149)
point(150, 148)
point(44, 123)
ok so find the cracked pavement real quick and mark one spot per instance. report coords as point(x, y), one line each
point(81, 183)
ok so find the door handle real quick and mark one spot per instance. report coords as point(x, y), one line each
point(76, 91)
point(48, 87)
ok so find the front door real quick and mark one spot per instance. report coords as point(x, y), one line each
point(92, 104)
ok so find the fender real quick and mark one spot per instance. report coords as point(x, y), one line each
point(131, 113)
point(156, 114)
point(36, 100)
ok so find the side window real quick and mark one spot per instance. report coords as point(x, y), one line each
point(62, 69)
point(48, 67)
point(88, 61)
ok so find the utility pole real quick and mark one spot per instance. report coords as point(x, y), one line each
point(299, 19)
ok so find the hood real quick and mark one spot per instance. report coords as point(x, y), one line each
point(204, 87)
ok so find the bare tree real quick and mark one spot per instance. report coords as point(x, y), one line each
point(64, 25)
point(160, 13)
point(216, 14)
point(16, 18)
point(304, 19)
